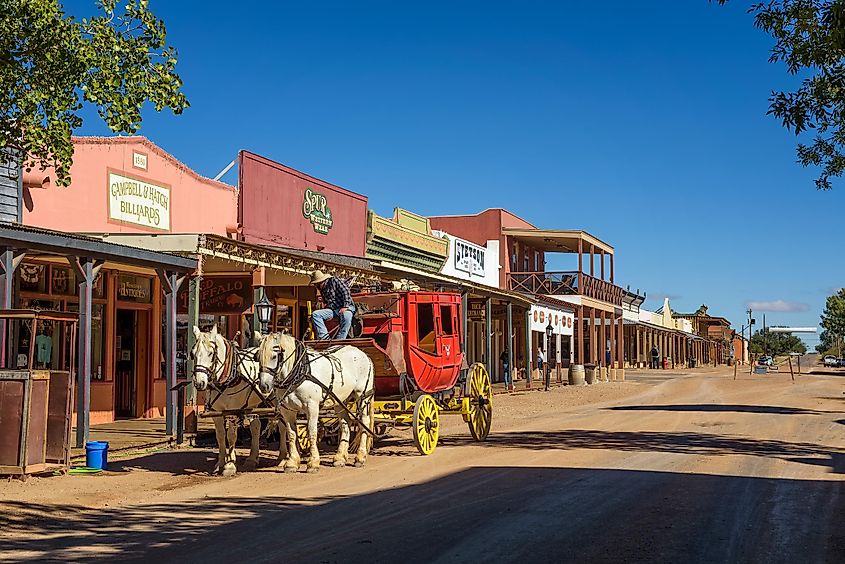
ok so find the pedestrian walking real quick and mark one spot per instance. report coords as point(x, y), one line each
point(541, 358)
point(337, 302)
point(504, 358)
point(655, 357)
point(607, 358)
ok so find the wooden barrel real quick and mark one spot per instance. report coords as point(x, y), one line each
point(576, 375)
point(590, 374)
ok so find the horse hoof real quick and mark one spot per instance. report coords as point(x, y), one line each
point(339, 463)
point(313, 469)
point(291, 469)
point(250, 465)
point(229, 470)
point(359, 464)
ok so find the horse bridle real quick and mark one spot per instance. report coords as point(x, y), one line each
point(215, 380)
point(299, 353)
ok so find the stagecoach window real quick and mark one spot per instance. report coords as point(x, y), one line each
point(446, 320)
point(425, 327)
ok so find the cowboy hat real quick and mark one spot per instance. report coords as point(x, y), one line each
point(318, 276)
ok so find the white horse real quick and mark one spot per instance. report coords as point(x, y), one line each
point(229, 377)
point(293, 370)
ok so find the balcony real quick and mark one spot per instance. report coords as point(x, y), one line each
point(565, 283)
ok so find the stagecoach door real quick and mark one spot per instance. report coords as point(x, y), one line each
point(448, 334)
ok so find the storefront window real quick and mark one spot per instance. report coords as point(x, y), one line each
point(62, 281)
point(33, 278)
point(98, 339)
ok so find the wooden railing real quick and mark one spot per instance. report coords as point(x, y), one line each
point(565, 283)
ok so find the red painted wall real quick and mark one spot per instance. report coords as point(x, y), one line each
point(270, 209)
point(482, 227)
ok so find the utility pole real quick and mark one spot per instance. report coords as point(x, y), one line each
point(750, 329)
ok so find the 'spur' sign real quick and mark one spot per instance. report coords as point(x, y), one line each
point(139, 202)
point(315, 208)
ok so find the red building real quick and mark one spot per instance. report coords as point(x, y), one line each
point(589, 290)
point(282, 207)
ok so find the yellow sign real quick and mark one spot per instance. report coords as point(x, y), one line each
point(138, 202)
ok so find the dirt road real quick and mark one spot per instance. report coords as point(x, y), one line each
point(696, 468)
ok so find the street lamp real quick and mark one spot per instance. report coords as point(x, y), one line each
point(264, 311)
point(549, 331)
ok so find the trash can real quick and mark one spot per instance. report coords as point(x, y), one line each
point(691, 362)
point(97, 454)
point(590, 373)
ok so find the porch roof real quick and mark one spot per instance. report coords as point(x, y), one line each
point(556, 241)
point(36, 240)
point(247, 256)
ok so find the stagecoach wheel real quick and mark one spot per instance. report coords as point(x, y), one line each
point(302, 437)
point(426, 424)
point(480, 415)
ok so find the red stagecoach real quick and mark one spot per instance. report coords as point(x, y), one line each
point(414, 341)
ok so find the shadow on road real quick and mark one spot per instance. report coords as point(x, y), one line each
point(654, 441)
point(723, 408)
point(483, 514)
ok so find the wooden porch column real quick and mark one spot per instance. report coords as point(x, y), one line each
point(529, 361)
point(488, 334)
point(580, 256)
point(620, 348)
point(601, 254)
point(594, 337)
point(9, 261)
point(602, 340)
point(611, 268)
point(170, 283)
point(580, 327)
point(637, 346)
point(464, 307)
point(614, 347)
point(86, 270)
point(193, 321)
point(509, 342)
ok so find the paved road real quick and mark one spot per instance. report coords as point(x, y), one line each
point(692, 469)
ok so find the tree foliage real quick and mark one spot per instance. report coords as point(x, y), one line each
point(810, 40)
point(766, 342)
point(51, 63)
point(833, 319)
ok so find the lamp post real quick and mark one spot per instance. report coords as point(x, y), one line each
point(549, 332)
point(264, 311)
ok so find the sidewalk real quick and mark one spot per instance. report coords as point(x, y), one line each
point(135, 434)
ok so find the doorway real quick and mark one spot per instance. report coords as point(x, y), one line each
point(126, 327)
point(130, 362)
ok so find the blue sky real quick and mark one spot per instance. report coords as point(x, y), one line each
point(641, 122)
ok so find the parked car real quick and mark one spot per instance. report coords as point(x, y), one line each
point(840, 363)
point(831, 361)
point(765, 360)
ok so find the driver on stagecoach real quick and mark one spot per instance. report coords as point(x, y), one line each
point(337, 302)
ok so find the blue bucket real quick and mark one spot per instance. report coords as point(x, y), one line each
point(97, 454)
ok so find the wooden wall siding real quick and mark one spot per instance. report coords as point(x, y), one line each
point(10, 188)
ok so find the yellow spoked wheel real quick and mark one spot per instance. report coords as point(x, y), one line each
point(426, 424)
point(302, 438)
point(479, 415)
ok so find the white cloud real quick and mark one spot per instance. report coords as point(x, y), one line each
point(779, 306)
point(659, 297)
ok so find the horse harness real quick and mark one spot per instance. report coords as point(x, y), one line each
point(230, 374)
point(301, 371)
